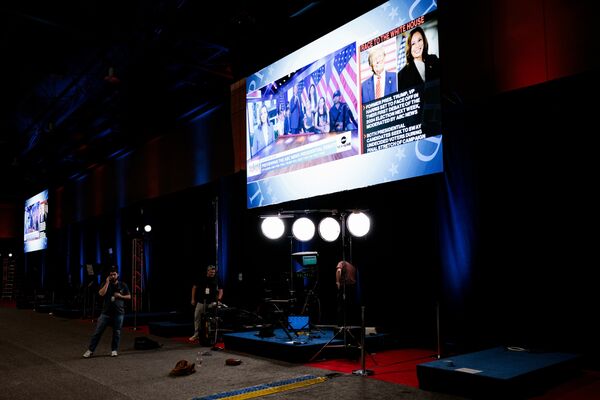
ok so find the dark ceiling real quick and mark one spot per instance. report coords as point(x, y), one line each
point(87, 80)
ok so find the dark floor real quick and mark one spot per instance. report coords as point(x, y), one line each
point(41, 358)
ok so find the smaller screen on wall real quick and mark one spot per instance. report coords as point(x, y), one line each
point(35, 219)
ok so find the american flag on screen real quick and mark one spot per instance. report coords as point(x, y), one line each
point(401, 52)
point(319, 79)
point(303, 86)
point(344, 76)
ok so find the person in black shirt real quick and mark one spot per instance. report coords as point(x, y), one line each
point(422, 74)
point(420, 66)
point(113, 312)
point(340, 117)
point(206, 294)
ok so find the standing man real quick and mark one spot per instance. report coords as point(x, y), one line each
point(295, 111)
point(205, 294)
point(113, 312)
point(340, 116)
point(382, 82)
point(286, 125)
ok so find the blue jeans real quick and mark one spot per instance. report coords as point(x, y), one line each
point(198, 311)
point(103, 321)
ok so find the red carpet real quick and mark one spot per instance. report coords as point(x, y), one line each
point(396, 366)
point(400, 366)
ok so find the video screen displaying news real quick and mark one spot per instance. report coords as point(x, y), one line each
point(358, 107)
point(36, 215)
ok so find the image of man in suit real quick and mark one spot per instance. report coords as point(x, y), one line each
point(382, 82)
point(296, 116)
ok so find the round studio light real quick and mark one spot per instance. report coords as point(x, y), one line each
point(358, 224)
point(272, 227)
point(147, 228)
point(303, 229)
point(329, 229)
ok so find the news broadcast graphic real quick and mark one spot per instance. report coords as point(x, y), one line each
point(358, 107)
point(36, 215)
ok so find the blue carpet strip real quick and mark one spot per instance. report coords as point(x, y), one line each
point(266, 389)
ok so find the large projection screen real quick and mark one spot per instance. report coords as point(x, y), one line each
point(358, 107)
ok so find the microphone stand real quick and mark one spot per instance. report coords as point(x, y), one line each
point(203, 330)
point(362, 371)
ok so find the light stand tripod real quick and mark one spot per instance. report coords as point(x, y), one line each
point(344, 329)
point(216, 325)
point(271, 314)
point(216, 338)
point(276, 314)
point(216, 205)
point(312, 302)
point(342, 303)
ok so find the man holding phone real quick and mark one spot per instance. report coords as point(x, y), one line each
point(113, 312)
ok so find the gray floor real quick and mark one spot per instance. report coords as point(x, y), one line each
point(40, 358)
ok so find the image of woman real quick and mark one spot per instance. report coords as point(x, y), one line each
point(420, 65)
point(322, 117)
point(312, 97)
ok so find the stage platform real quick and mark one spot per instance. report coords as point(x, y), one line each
point(301, 346)
point(500, 372)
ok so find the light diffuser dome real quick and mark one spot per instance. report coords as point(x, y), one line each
point(303, 229)
point(272, 227)
point(358, 224)
point(329, 229)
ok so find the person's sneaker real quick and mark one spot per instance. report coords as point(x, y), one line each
point(113, 353)
point(193, 338)
point(87, 354)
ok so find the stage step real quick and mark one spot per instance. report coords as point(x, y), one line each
point(498, 373)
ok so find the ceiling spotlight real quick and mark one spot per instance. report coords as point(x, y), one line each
point(358, 224)
point(329, 229)
point(147, 228)
point(272, 227)
point(303, 229)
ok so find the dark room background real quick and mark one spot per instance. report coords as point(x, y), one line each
point(502, 243)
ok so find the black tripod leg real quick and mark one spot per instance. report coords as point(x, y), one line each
point(287, 332)
point(325, 345)
point(216, 338)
